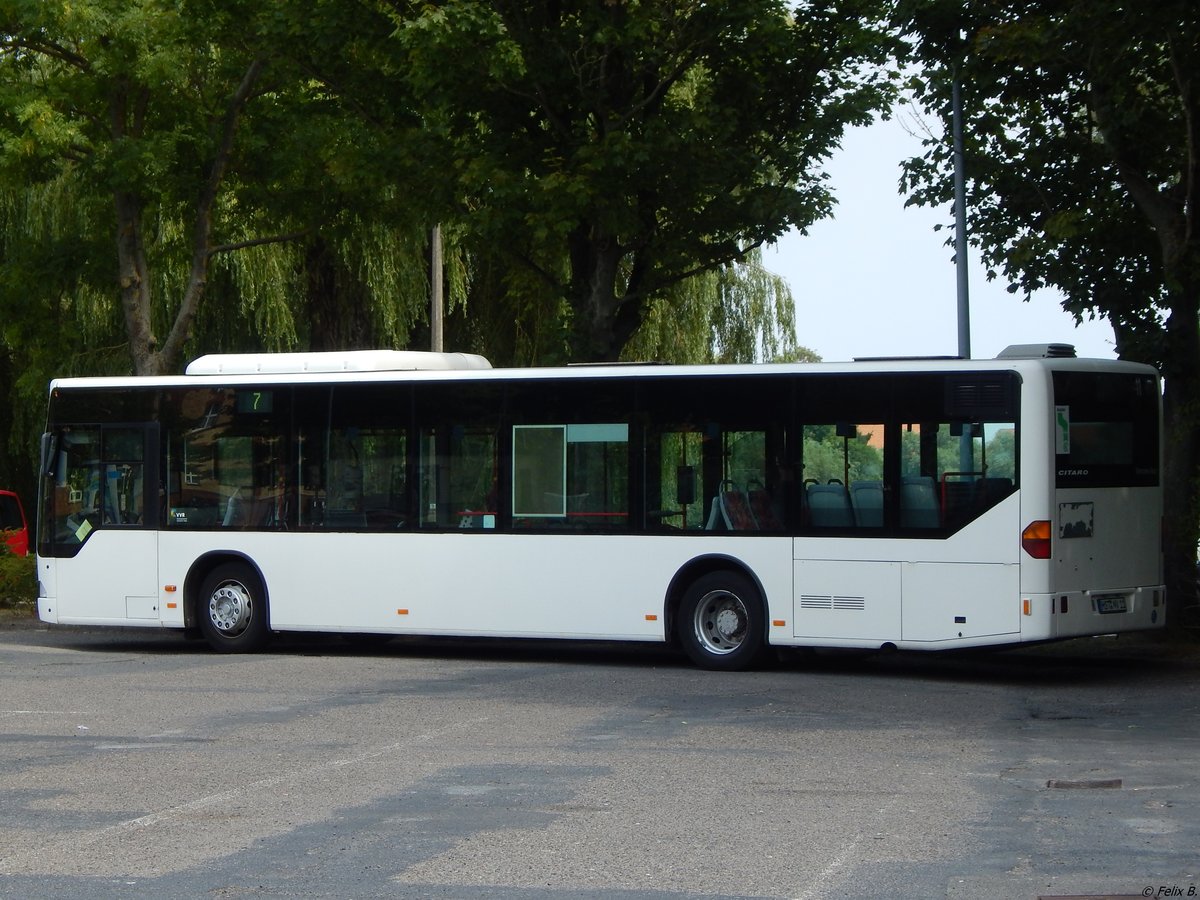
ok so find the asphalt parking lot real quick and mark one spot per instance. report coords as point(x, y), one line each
point(136, 763)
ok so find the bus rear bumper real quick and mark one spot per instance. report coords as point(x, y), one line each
point(1080, 613)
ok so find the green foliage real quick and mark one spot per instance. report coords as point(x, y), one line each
point(18, 580)
point(828, 457)
point(1065, 190)
point(642, 143)
point(739, 312)
point(682, 137)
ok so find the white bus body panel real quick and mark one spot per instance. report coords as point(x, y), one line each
point(866, 592)
point(606, 587)
point(113, 581)
point(1105, 556)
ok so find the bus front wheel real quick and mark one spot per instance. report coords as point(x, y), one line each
point(721, 622)
point(233, 609)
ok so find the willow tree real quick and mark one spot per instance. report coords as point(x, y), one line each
point(613, 150)
point(141, 102)
point(737, 313)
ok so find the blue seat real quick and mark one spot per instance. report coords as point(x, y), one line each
point(829, 506)
point(919, 503)
point(867, 499)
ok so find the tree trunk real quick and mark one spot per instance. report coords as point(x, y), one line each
point(605, 318)
point(338, 317)
point(1181, 478)
point(150, 357)
point(134, 279)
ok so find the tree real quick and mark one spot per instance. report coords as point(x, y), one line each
point(737, 313)
point(140, 101)
point(615, 149)
point(1082, 124)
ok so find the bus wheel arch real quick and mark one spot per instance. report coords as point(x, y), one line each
point(717, 612)
point(228, 602)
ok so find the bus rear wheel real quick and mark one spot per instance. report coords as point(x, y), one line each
point(233, 609)
point(721, 622)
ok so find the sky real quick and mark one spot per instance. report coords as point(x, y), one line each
point(877, 280)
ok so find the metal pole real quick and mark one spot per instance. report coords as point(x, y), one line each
point(436, 304)
point(966, 444)
point(960, 227)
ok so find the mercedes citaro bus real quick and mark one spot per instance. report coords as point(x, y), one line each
point(908, 503)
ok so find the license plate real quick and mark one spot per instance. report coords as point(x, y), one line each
point(1110, 603)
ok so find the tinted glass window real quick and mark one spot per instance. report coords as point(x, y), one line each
point(1106, 429)
point(570, 455)
point(459, 473)
point(716, 454)
point(914, 454)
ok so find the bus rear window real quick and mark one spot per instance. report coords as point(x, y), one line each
point(1106, 429)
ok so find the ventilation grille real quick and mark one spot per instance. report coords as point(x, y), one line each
point(831, 601)
point(975, 397)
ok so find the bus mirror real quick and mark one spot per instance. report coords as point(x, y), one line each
point(685, 485)
point(847, 430)
point(49, 454)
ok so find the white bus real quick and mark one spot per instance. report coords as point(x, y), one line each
point(916, 504)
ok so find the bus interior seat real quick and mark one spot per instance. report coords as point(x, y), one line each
point(958, 495)
point(829, 506)
point(993, 490)
point(762, 507)
point(716, 520)
point(918, 503)
point(736, 508)
point(243, 509)
point(731, 509)
point(235, 508)
point(866, 498)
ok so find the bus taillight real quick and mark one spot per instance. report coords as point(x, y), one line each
point(1035, 539)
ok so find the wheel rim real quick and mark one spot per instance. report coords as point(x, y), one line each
point(721, 622)
point(230, 608)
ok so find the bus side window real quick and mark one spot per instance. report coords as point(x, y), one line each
point(952, 472)
point(676, 502)
point(843, 475)
point(459, 477)
point(570, 476)
point(198, 423)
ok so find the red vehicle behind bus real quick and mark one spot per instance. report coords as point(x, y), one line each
point(12, 523)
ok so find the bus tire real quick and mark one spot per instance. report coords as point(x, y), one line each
point(721, 622)
point(232, 609)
